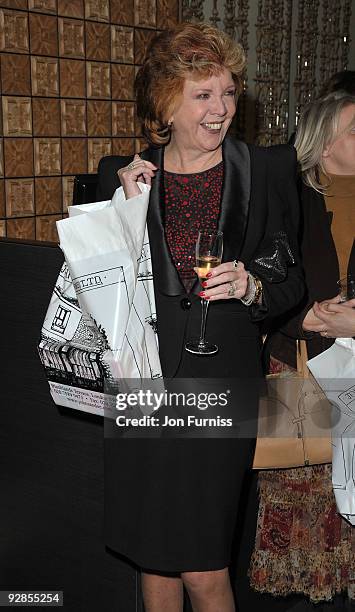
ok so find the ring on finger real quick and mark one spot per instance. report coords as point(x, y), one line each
point(132, 165)
point(235, 263)
point(232, 288)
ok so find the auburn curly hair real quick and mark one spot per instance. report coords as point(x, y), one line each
point(188, 49)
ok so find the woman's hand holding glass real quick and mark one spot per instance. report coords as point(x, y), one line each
point(138, 170)
point(226, 281)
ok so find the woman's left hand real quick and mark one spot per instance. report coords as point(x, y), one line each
point(226, 282)
point(338, 318)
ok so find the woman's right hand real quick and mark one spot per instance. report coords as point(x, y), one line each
point(339, 319)
point(138, 169)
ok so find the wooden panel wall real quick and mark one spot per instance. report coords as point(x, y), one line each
point(67, 72)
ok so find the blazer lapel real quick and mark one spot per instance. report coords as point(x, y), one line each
point(235, 199)
point(166, 276)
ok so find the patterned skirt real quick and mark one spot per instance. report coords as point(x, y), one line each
point(302, 544)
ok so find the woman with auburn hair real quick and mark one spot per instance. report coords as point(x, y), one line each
point(171, 503)
point(304, 549)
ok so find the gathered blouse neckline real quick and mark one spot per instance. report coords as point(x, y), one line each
point(201, 173)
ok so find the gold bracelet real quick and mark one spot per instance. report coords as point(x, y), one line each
point(258, 290)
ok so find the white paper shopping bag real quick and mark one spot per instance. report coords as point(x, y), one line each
point(334, 370)
point(101, 323)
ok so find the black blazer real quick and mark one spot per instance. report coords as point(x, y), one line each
point(259, 200)
point(321, 267)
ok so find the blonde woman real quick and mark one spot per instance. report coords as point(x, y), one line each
point(302, 543)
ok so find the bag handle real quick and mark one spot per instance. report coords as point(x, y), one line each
point(302, 358)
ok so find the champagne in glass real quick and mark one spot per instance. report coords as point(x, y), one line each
point(209, 249)
point(204, 265)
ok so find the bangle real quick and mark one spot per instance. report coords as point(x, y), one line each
point(249, 295)
point(253, 292)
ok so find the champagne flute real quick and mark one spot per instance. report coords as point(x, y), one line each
point(209, 249)
point(346, 288)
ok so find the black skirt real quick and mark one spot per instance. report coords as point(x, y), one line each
point(171, 504)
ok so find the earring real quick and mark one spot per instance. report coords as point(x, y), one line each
point(170, 122)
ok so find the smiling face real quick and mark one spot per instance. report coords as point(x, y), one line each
point(204, 113)
point(339, 155)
